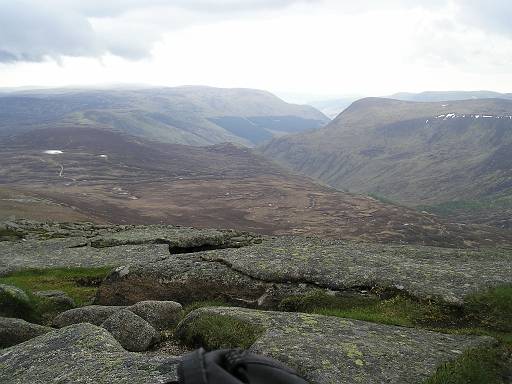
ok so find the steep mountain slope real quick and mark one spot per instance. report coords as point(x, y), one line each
point(117, 178)
point(184, 115)
point(413, 153)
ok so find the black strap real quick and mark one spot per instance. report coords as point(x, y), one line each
point(234, 367)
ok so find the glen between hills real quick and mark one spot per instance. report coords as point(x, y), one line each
point(449, 157)
point(76, 173)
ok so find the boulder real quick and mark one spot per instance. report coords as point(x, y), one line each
point(131, 331)
point(85, 354)
point(14, 302)
point(331, 350)
point(59, 299)
point(94, 314)
point(160, 314)
point(14, 331)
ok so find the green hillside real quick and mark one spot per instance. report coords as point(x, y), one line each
point(412, 153)
point(184, 115)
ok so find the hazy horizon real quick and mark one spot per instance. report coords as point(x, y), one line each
point(318, 49)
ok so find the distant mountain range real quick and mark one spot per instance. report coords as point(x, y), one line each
point(192, 115)
point(333, 107)
point(453, 153)
point(450, 95)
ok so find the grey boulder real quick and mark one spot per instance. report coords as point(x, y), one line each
point(160, 314)
point(14, 331)
point(94, 314)
point(84, 354)
point(131, 331)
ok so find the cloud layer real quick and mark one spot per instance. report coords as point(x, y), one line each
point(33, 30)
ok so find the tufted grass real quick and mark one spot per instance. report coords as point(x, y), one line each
point(476, 366)
point(217, 332)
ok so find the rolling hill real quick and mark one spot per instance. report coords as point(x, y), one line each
point(453, 155)
point(110, 177)
point(191, 115)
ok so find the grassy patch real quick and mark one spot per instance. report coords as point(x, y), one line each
point(212, 331)
point(79, 283)
point(491, 309)
point(382, 199)
point(477, 366)
point(396, 310)
point(488, 312)
point(457, 206)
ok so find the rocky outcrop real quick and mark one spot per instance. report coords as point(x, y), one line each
point(51, 245)
point(330, 350)
point(81, 353)
point(94, 314)
point(161, 315)
point(262, 274)
point(14, 331)
point(131, 331)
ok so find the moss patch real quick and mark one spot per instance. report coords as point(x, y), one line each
point(217, 332)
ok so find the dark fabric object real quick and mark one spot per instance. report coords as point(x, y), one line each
point(234, 366)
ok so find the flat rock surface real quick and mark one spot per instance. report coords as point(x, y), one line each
point(249, 272)
point(84, 354)
point(330, 350)
point(50, 245)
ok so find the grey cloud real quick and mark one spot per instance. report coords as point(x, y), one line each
point(31, 30)
point(490, 15)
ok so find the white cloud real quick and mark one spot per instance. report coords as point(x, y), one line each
point(326, 46)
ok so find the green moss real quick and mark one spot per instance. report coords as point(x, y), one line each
point(16, 306)
point(216, 332)
point(78, 283)
point(476, 366)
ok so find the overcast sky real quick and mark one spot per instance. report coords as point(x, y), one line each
point(313, 47)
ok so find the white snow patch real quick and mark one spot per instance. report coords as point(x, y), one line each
point(53, 152)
